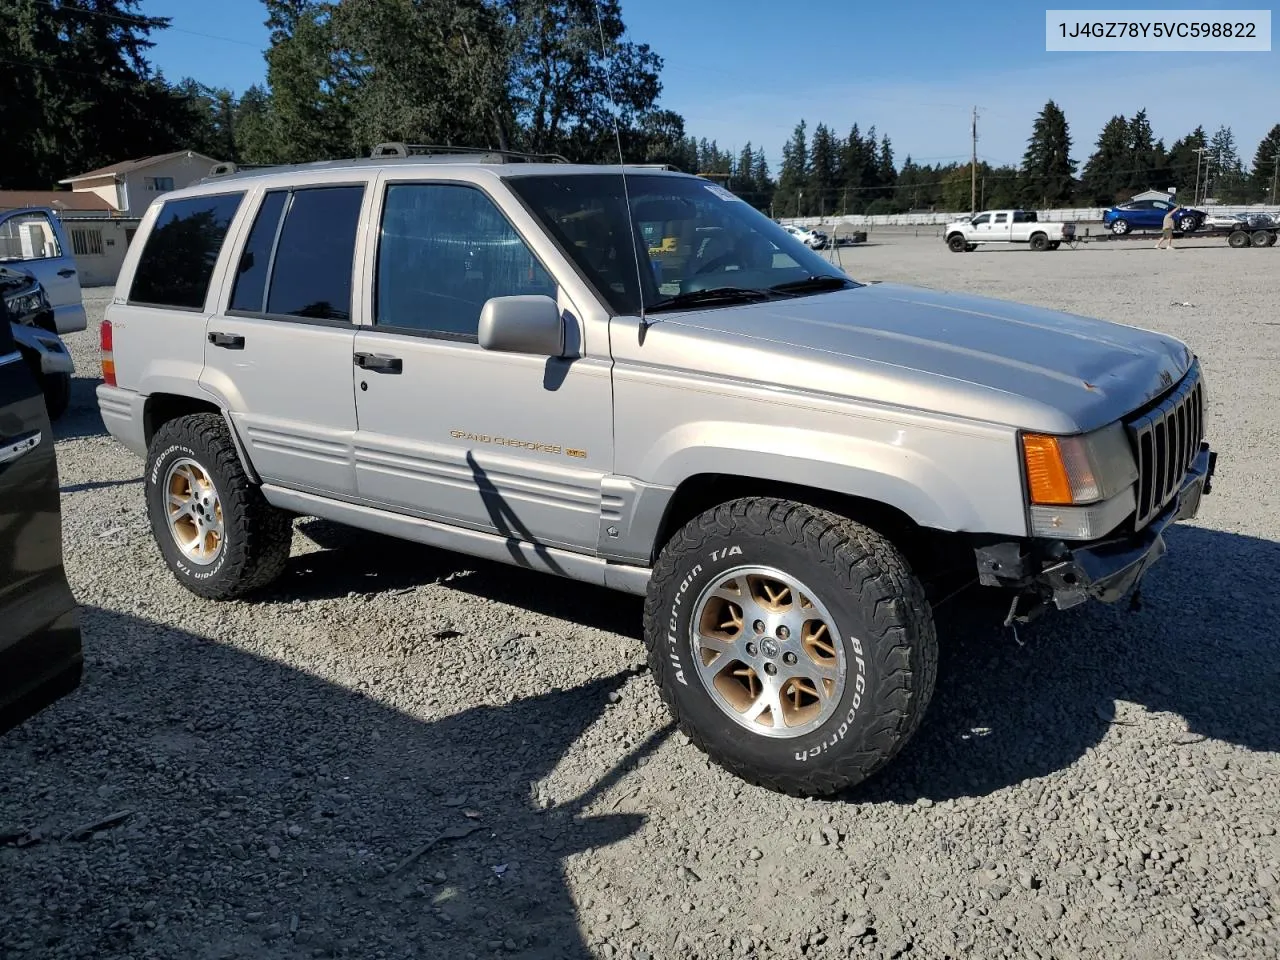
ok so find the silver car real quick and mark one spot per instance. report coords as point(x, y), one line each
point(634, 379)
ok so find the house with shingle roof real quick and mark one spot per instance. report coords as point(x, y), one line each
point(128, 187)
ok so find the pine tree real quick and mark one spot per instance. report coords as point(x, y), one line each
point(1047, 166)
point(1186, 165)
point(886, 173)
point(1227, 181)
point(794, 172)
point(1106, 174)
point(822, 170)
point(85, 95)
point(1266, 161)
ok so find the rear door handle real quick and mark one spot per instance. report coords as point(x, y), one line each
point(379, 363)
point(232, 341)
point(11, 450)
point(68, 272)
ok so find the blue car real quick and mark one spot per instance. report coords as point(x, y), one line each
point(1149, 215)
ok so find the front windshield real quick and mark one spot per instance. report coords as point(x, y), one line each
point(691, 236)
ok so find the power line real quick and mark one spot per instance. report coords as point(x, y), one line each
point(155, 23)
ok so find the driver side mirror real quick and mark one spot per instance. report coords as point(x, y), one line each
point(522, 324)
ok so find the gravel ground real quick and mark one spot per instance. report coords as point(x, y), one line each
point(403, 753)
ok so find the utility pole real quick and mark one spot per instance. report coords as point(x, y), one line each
point(1275, 171)
point(1195, 198)
point(973, 166)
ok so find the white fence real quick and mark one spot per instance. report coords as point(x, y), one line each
point(1075, 215)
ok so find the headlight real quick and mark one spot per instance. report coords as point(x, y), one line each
point(1079, 487)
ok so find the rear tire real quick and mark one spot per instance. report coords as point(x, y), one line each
point(57, 393)
point(862, 597)
point(1039, 242)
point(1238, 239)
point(1261, 238)
point(216, 532)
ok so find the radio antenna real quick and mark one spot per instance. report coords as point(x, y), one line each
point(622, 167)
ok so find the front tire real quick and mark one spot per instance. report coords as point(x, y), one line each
point(216, 532)
point(1120, 227)
point(792, 645)
point(956, 244)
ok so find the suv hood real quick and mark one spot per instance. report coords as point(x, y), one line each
point(970, 356)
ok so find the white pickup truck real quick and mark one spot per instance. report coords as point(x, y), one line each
point(1006, 226)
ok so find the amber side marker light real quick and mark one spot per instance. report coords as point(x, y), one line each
point(1047, 479)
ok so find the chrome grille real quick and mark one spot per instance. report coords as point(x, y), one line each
point(1166, 441)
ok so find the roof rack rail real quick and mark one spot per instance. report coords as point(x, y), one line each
point(653, 166)
point(387, 151)
point(228, 168)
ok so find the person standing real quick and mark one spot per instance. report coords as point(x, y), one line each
point(1167, 232)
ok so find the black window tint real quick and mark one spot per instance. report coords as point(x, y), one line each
point(314, 259)
point(7, 346)
point(181, 250)
point(251, 277)
point(444, 251)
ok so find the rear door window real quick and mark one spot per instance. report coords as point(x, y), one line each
point(177, 263)
point(250, 290)
point(314, 257)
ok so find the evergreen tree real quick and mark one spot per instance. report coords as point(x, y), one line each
point(1183, 161)
point(1266, 161)
point(1106, 174)
point(84, 95)
point(1047, 166)
point(822, 171)
point(1227, 182)
point(1148, 162)
point(886, 173)
point(794, 173)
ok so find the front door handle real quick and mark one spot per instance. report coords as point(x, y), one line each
point(232, 341)
point(379, 363)
point(11, 450)
point(67, 272)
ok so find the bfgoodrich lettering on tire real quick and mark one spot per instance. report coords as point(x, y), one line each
point(215, 531)
point(793, 646)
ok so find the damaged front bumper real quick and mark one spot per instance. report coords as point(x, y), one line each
point(47, 347)
point(1066, 575)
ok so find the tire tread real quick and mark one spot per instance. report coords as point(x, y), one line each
point(265, 531)
point(867, 564)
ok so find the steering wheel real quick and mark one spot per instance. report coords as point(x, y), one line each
point(717, 263)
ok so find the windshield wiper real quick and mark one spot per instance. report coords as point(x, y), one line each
point(814, 284)
point(696, 298)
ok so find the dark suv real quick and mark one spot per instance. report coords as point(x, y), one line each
point(40, 643)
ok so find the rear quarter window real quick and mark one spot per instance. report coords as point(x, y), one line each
point(176, 264)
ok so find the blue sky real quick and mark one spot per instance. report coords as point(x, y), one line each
point(739, 70)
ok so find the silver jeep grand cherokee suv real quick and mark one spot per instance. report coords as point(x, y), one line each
point(633, 378)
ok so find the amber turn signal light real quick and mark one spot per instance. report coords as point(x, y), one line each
point(1047, 479)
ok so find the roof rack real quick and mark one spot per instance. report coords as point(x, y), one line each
point(653, 166)
point(387, 151)
point(228, 168)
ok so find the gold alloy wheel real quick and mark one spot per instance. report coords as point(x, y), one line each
point(767, 651)
point(194, 511)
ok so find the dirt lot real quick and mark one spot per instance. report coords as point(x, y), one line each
point(262, 774)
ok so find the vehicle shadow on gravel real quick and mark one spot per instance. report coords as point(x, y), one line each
point(82, 418)
point(269, 813)
point(1197, 660)
point(363, 562)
